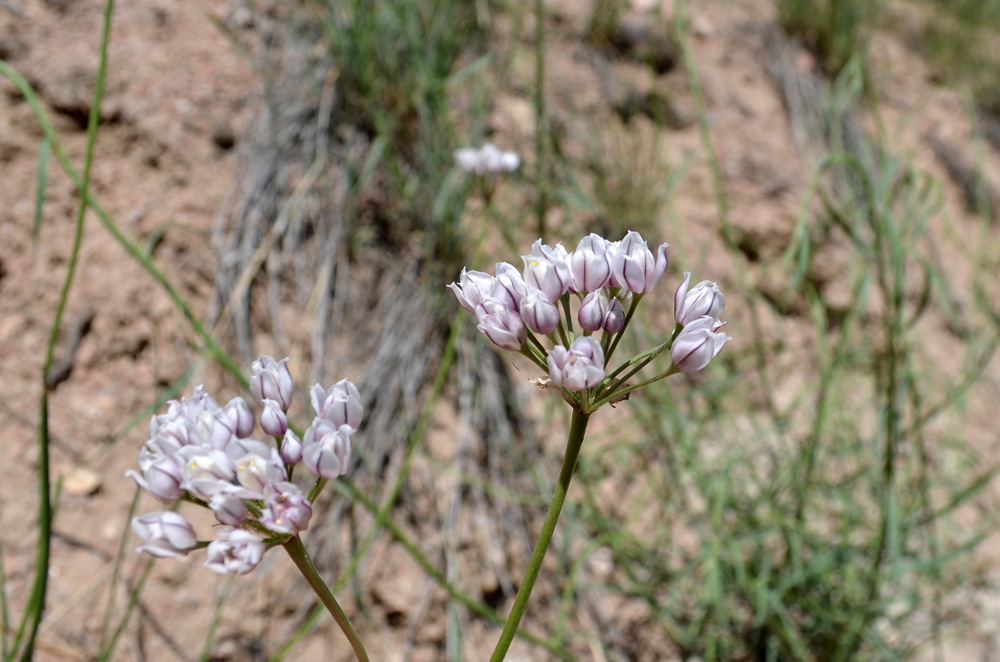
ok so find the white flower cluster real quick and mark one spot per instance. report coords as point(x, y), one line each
point(607, 278)
point(205, 453)
point(488, 158)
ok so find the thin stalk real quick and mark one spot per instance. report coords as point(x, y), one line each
point(636, 298)
point(541, 126)
point(605, 399)
point(297, 551)
point(577, 431)
point(36, 604)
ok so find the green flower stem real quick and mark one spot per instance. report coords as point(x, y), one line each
point(300, 557)
point(577, 430)
point(636, 298)
point(605, 399)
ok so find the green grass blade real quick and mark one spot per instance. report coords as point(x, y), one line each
point(42, 178)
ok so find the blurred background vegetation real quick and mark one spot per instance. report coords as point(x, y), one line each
point(820, 494)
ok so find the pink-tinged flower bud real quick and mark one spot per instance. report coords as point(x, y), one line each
point(235, 552)
point(272, 381)
point(287, 510)
point(592, 311)
point(578, 368)
point(509, 286)
point(590, 265)
point(633, 266)
point(160, 477)
point(229, 509)
point(548, 269)
point(272, 420)
point(473, 288)
point(340, 404)
point(241, 416)
point(539, 315)
point(697, 344)
point(503, 326)
point(704, 299)
point(165, 534)
point(326, 449)
point(291, 448)
point(614, 321)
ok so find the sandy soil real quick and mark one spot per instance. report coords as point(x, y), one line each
point(178, 97)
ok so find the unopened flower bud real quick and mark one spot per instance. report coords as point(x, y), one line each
point(162, 478)
point(272, 420)
point(503, 326)
point(228, 508)
point(539, 315)
point(291, 448)
point(241, 416)
point(614, 321)
point(165, 534)
point(509, 285)
point(633, 266)
point(340, 404)
point(326, 449)
point(578, 368)
point(697, 344)
point(592, 311)
point(590, 265)
point(704, 299)
point(272, 381)
point(287, 510)
point(235, 552)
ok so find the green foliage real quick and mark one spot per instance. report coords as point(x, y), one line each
point(395, 59)
point(835, 29)
point(963, 39)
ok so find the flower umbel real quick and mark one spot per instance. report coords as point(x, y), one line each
point(203, 452)
point(604, 281)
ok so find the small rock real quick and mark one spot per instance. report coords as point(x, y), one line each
point(223, 135)
point(81, 481)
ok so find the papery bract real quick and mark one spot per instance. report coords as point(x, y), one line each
point(235, 552)
point(286, 509)
point(165, 534)
point(340, 404)
point(633, 266)
point(697, 344)
point(578, 368)
point(704, 299)
point(271, 380)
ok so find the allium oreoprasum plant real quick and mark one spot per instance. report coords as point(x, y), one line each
point(203, 453)
point(520, 310)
